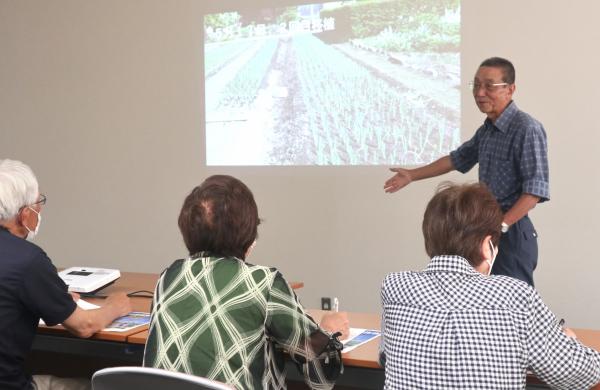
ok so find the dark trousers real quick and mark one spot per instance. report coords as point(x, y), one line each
point(518, 252)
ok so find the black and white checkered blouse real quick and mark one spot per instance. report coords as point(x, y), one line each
point(451, 327)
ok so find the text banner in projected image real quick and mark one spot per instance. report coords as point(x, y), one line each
point(339, 83)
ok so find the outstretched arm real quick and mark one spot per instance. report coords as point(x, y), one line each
point(405, 176)
point(84, 323)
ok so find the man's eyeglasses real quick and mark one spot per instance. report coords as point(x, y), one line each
point(490, 87)
point(41, 201)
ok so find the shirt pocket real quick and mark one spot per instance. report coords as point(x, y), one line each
point(504, 182)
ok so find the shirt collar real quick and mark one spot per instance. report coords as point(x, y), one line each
point(505, 118)
point(450, 264)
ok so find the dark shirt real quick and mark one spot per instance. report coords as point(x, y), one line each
point(512, 154)
point(30, 289)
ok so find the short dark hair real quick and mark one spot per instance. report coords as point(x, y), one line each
point(508, 70)
point(458, 218)
point(219, 216)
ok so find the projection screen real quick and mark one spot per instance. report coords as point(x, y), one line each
point(337, 83)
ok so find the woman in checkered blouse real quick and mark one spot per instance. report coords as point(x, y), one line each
point(452, 326)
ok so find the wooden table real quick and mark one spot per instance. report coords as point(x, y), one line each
point(56, 351)
point(127, 283)
point(365, 355)
point(362, 369)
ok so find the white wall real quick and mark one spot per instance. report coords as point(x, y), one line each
point(104, 100)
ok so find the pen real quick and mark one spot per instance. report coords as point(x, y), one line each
point(561, 322)
point(88, 295)
point(336, 304)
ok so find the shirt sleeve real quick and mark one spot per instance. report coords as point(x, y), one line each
point(534, 163)
point(45, 293)
point(382, 341)
point(467, 155)
point(390, 282)
point(291, 327)
point(558, 360)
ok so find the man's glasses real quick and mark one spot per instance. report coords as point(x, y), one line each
point(490, 87)
point(41, 201)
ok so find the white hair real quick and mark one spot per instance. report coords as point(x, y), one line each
point(18, 188)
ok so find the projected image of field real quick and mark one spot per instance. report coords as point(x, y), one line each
point(343, 83)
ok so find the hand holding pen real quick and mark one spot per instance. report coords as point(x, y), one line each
point(336, 321)
point(568, 331)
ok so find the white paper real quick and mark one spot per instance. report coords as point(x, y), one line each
point(85, 305)
point(359, 336)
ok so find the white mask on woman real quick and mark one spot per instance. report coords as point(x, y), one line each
point(494, 253)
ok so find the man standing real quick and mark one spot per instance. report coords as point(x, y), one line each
point(31, 289)
point(511, 150)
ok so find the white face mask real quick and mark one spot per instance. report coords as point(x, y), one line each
point(32, 233)
point(491, 261)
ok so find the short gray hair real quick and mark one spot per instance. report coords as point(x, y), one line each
point(18, 188)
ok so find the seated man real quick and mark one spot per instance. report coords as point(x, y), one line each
point(452, 326)
point(30, 288)
point(216, 316)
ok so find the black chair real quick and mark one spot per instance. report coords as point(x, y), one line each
point(146, 378)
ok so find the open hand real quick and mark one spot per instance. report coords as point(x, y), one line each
point(398, 181)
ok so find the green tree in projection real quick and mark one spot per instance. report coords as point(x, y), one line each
point(221, 20)
point(406, 25)
point(289, 14)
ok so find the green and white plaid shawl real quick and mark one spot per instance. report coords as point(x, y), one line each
point(227, 320)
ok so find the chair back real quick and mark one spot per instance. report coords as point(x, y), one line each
point(147, 378)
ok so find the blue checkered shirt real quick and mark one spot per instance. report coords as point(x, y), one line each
point(512, 154)
point(451, 327)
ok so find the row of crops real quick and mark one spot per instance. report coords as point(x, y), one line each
point(356, 117)
point(352, 115)
point(217, 55)
point(241, 92)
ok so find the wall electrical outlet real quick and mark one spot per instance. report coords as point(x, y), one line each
point(325, 303)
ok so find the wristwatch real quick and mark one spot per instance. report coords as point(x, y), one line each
point(504, 227)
